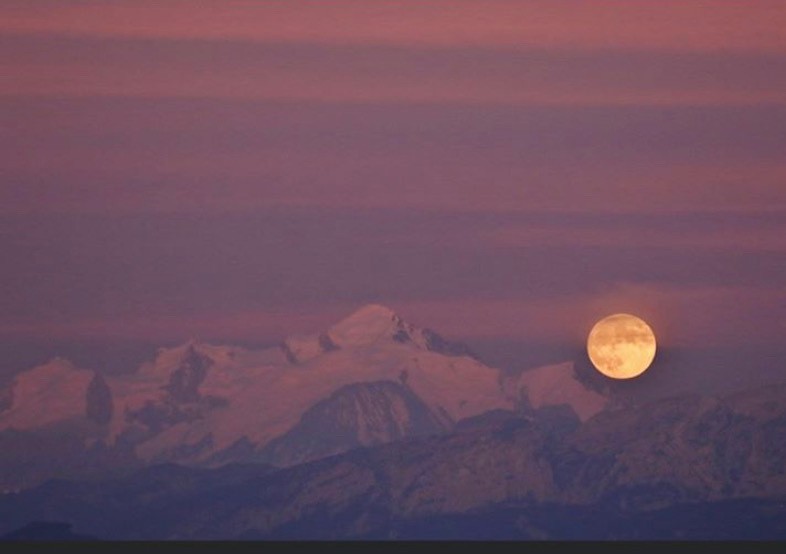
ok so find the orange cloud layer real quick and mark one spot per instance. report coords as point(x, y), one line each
point(698, 25)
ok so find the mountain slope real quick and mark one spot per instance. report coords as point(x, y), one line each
point(651, 471)
point(361, 414)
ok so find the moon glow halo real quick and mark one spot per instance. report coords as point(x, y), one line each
point(621, 346)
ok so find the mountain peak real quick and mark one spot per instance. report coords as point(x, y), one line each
point(365, 325)
point(371, 312)
point(59, 363)
point(168, 359)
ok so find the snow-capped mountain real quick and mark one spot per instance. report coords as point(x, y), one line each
point(239, 398)
point(554, 385)
point(372, 376)
point(48, 394)
point(685, 467)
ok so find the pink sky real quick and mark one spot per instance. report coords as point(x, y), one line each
point(497, 169)
point(673, 25)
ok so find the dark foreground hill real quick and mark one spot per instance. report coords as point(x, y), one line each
point(45, 531)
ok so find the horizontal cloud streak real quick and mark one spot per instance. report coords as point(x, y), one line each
point(66, 268)
point(324, 72)
point(179, 155)
point(685, 25)
point(725, 317)
point(671, 235)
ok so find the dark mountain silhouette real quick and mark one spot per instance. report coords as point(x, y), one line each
point(45, 531)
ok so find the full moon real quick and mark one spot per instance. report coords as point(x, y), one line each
point(621, 346)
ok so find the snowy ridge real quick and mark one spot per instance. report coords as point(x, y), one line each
point(47, 394)
point(556, 384)
point(194, 401)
